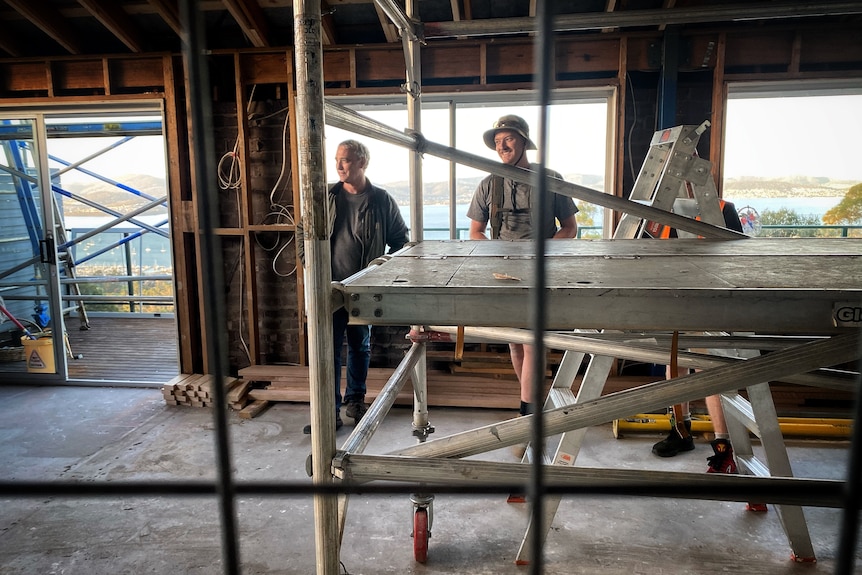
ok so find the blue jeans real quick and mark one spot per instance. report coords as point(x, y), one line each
point(358, 357)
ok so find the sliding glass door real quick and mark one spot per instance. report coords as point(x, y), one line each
point(29, 282)
point(86, 269)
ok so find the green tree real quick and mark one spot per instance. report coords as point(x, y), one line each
point(848, 210)
point(99, 289)
point(586, 216)
point(790, 221)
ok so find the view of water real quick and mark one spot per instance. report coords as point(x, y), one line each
point(152, 252)
point(147, 251)
point(437, 217)
point(816, 206)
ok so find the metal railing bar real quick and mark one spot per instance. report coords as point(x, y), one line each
point(778, 490)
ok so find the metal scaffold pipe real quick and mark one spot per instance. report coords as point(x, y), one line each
point(346, 119)
point(308, 54)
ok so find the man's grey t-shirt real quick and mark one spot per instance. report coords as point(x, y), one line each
point(517, 219)
point(346, 240)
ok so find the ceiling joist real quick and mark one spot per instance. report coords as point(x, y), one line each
point(389, 28)
point(249, 15)
point(328, 34)
point(117, 22)
point(50, 22)
point(81, 27)
point(167, 11)
point(601, 20)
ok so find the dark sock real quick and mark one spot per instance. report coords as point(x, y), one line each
point(526, 408)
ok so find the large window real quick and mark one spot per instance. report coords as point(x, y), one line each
point(103, 168)
point(578, 132)
point(791, 156)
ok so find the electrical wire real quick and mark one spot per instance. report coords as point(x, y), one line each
point(242, 306)
point(273, 200)
point(230, 178)
point(278, 210)
point(630, 97)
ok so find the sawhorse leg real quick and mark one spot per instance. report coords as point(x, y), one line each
point(758, 416)
point(570, 442)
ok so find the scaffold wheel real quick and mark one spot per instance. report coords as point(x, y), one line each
point(420, 535)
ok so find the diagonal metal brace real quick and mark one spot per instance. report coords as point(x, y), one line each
point(839, 349)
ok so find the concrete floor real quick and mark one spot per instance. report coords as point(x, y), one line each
point(96, 434)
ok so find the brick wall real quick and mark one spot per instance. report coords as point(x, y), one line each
point(269, 200)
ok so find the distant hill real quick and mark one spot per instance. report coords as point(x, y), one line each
point(792, 186)
point(437, 193)
point(751, 187)
point(109, 195)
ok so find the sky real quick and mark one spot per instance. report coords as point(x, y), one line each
point(576, 135)
point(766, 137)
point(812, 136)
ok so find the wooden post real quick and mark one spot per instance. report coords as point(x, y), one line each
point(308, 56)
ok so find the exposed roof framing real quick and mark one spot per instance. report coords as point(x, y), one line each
point(249, 15)
point(92, 27)
point(651, 17)
point(328, 33)
point(167, 11)
point(456, 9)
point(47, 19)
point(389, 29)
point(117, 21)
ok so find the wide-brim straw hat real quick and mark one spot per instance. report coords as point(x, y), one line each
point(512, 123)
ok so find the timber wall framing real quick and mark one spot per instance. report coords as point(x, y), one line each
point(253, 93)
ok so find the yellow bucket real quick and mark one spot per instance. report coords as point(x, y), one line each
point(39, 354)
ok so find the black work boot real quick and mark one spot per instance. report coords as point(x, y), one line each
point(338, 425)
point(674, 443)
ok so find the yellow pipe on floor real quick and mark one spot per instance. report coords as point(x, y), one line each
point(790, 426)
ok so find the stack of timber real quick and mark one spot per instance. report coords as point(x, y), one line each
point(494, 389)
point(196, 390)
point(445, 389)
point(483, 362)
point(262, 384)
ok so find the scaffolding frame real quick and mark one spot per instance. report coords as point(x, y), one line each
point(226, 489)
point(511, 432)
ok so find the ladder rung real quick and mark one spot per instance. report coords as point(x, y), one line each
point(559, 397)
point(528, 458)
point(751, 465)
point(739, 408)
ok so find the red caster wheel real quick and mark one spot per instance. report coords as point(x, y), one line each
point(420, 535)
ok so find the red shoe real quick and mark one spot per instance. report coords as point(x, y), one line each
point(722, 461)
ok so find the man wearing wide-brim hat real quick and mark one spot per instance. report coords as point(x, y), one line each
point(507, 205)
point(510, 138)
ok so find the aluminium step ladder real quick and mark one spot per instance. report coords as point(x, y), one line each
point(67, 266)
point(673, 171)
point(674, 178)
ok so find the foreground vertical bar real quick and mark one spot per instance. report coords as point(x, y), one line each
point(203, 155)
point(543, 49)
point(852, 496)
point(318, 279)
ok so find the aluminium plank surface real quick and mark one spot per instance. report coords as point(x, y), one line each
point(776, 285)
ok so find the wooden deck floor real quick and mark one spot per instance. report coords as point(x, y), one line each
point(121, 349)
